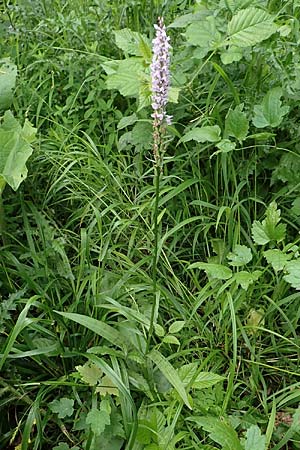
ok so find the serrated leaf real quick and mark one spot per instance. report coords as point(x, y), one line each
point(127, 77)
point(90, 373)
point(293, 276)
point(171, 375)
point(244, 279)
point(236, 123)
point(204, 34)
point(8, 75)
point(16, 148)
point(98, 420)
point(177, 326)
point(219, 431)
point(133, 43)
point(270, 112)
point(169, 339)
point(127, 121)
point(254, 439)
point(107, 387)
point(217, 271)
point(269, 229)
point(240, 256)
point(231, 55)
point(64, 407)
point(205, 380)
point(203, 134)
point(259, 234)
point(250, 26)
point(277, 258)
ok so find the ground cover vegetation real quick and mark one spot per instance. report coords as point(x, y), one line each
point(95, 353)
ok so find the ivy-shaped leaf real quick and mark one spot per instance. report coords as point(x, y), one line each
point(98, 419)
point(293, 273)
point(90, 373)
point(240, 256)
point(217, 271)
point(270, 112)
point(64, 407)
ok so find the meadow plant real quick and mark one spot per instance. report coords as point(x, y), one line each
point(160, 84)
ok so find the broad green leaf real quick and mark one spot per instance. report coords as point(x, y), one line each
point(127, 77)
point(250, 26)
point(254, 439)
point(62, 446)
point(8, 75)
point(240, 256)
point(224, 146)
point(100, 328)
point(64, 407)
point(133, 43)
point(244, 279)
point(187, 372)
point(205, 380)
point(98, 420)
point(220, 431)
point(270, 112)
point(186, 19)
point(203, 134)
point(293, 276)
point(255, 319)
point(269, 229)
point(127, 121)
point(277, 258)
point(107, 387)
point(217, 271)
point(90, 373)
point(16, 148)
point(170, 339)
point(236, 123)
point(171, 374)
point(232, 54)
point(177, 326)
point(204, 34)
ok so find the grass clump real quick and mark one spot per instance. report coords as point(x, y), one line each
point(89, 358)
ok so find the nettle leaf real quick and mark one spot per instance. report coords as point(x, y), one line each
point(15, 142)
point(240, 256)
point(236, 123)
point(205, 380)
point(244, 279)
point(8, 75)
point(217, 271)
point(90, 373)
point(270, 112)
point(127, 76)
point(254, 439)
point(203, 134)
point(98, 419)
point(277, 258)
point(269, 229)
point(133, 43)
point(250, 26)
point(64, 407)
point(204, 34)
point(293, 273)
point(220, 431)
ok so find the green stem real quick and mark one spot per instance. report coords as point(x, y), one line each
point(155, 254)
point(2, 221)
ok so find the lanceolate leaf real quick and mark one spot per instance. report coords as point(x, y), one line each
point(15, 143)
point(171, 374)
point(250, 26)
point(217, 271)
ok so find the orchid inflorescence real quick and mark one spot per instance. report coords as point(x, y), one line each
point(160, 77)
